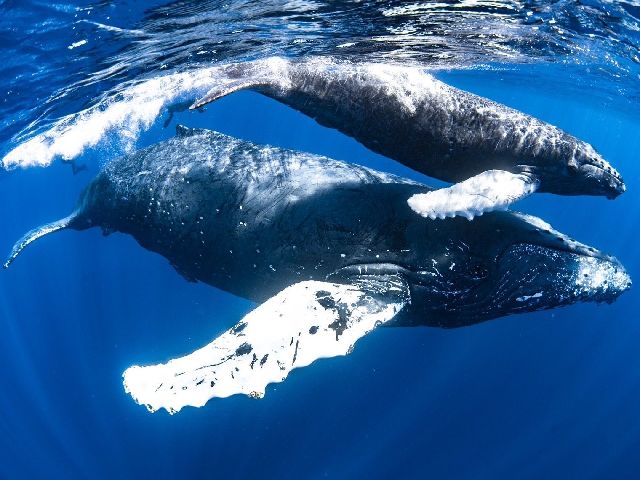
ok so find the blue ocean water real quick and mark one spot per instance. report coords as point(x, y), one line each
point(551, 394)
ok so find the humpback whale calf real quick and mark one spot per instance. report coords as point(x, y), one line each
point(493, 154)
point(329, 250)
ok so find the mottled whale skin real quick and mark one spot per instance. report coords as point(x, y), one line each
point(444, 132)
point(253, 219)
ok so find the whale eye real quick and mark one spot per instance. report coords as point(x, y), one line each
point(477, 271)
point(572, 167)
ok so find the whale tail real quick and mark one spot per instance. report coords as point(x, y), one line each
point(37, 233)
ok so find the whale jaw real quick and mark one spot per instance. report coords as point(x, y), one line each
point(533, 277)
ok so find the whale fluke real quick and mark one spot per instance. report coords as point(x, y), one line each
point(37, 233)
point(301, 324)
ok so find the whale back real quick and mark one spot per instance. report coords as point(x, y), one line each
point(240, 216)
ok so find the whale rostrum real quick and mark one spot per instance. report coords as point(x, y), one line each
point(328, 250)
point(444, 132)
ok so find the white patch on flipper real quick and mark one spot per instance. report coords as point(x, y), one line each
point(304, 322)
point(488, 191)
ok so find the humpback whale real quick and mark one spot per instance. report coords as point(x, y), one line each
point(494, 155)
point(328, 250)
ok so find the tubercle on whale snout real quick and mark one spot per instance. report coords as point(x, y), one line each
point(597, 177)
point(566, 276)
point(613, 184)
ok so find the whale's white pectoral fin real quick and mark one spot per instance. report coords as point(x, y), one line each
point(225, 88)
point(488, 191)
point(304, 322)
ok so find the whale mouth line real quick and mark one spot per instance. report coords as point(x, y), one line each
point(607, 171)
point(610, 182)
point(369, 269)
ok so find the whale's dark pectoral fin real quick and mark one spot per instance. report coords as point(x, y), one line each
point(37, 233)
point(488, 191)
point(303, 323)
point(225, 88)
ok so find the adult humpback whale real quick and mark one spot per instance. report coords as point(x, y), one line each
point(495, 155)
point(329, 249)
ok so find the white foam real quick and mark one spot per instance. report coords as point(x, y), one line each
point(303, 323)
point(130, 112)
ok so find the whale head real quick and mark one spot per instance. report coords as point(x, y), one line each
point(505, 263)
point(579, 170)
